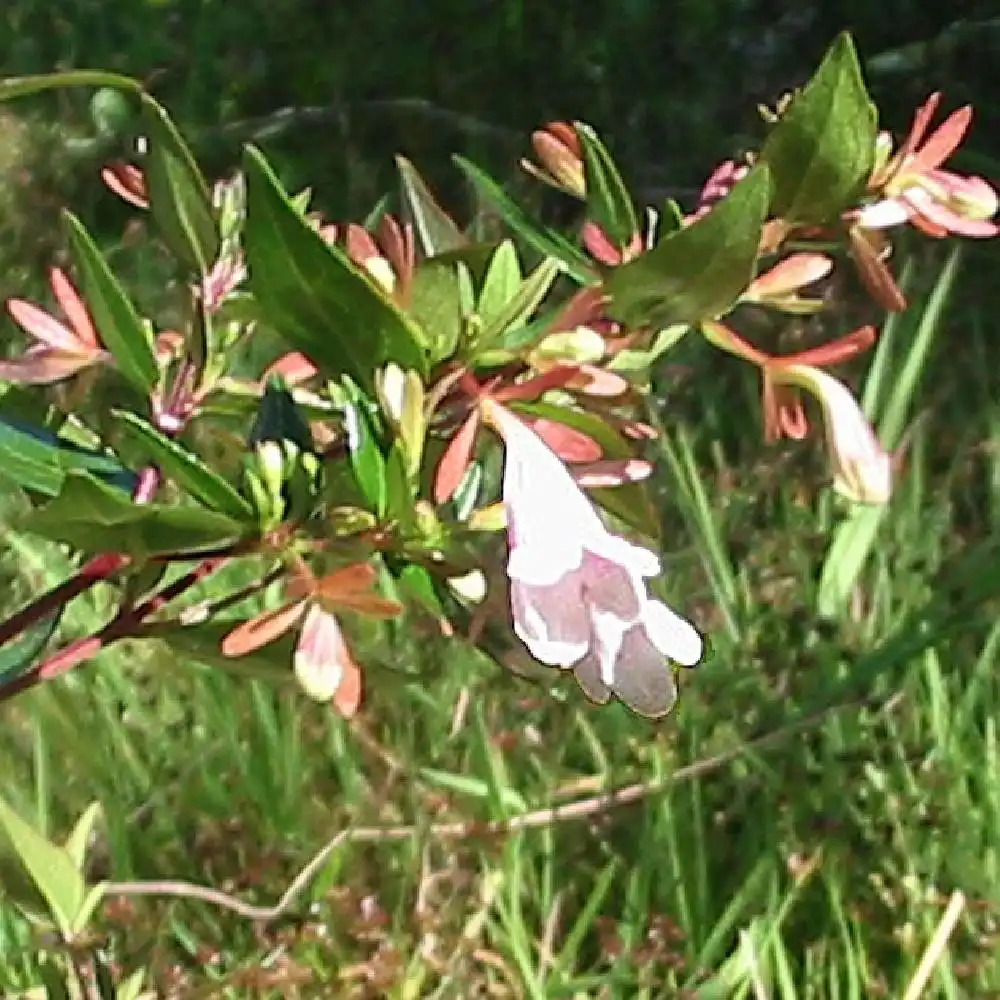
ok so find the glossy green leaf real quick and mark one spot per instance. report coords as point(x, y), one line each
point(435, 230)
point(435, 304)
point(822, 150)
point(609, 203)
point(366, 457)
point(50, 866)
point(184, 467)
point(36, 459)
point(699, 271)
point(545, 241)
point(124, 333)
point(23, 86)
point(179, 198)
point(313, 295)
point(97, 518)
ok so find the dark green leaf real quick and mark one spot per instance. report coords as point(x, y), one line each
point(435, 304)
point(22, 86)
point(314, 295)
point(367, 459)
point(178, 195)
point(279, 419)
point(93, 517)
point(121, 328)
point(36, 459)
point(609, 203)
point(19, 654)
point(545, 241)
point(822, 150)
point(185, 468)
point(434, 228)
point(699, 271)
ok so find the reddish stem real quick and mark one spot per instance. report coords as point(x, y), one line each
point(127, 623)
point(95, 570)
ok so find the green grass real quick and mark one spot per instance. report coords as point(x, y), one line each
point(814, 864)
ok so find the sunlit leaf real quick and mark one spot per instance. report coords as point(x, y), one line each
point(822, 150)
point(697, 272)
point(50, 866)
point(184, 467)
point(93, 517)
point(313, 295)
point(121, 328)
point(178, 195)
point(609, 203)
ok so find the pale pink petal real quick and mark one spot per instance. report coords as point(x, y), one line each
point(42, 325)
point(942, 142)
point(789, 275)
point(612, 472)
point(74, 308)
point(673, 636)
point(883, 214)
point(42, 367)
point(321, 655)
point(552, 621)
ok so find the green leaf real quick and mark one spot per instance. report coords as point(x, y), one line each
point(18, 655)
point(697, 272)
point(633, 360)
point(50, 867)
point(503, 278)
point(202, 644)
point(185, 468)
point(434, 228)
point(23, 86)
point(367, 459)
point(609, 203)
point(545, 241)
point(36, 459)
point(96, 518)
point(313, 294)
point(179, 198)
point(124, 333)
point(79, 838)
point(508, 325)
point(435, 304)
point(822, 150)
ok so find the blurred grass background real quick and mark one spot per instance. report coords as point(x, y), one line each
point(816, 868)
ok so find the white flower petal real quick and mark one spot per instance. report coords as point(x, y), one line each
point(551, 621)
point(673, 636)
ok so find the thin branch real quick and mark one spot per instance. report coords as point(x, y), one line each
point(94, 571)
point(465, 829)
